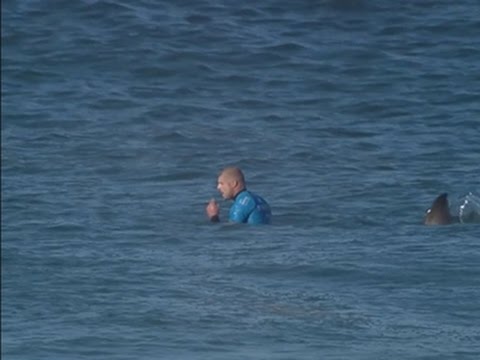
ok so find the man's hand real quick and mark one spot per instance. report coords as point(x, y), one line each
point(213, 211)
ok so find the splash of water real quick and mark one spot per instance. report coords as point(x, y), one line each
point(469, 210)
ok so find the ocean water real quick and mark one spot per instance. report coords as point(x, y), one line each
point(348, 116)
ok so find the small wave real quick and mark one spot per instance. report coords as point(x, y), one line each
point(247, 103)
point(198, 19)
point(172, 135)
point(285, 48)
point(177, 176)
point(114, 103)
point(469, 209)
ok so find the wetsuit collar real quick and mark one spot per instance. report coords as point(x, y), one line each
point(241, 191)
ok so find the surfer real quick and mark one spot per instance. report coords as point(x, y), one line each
point(248, 207)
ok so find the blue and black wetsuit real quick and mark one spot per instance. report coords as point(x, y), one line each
point(250, 208)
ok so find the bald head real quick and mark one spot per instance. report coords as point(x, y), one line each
point(230, 182)
point(233, 173)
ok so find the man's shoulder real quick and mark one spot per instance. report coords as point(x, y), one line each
point(251, 197)
point(244, 198)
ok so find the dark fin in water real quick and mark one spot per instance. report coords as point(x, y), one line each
point(439, 213)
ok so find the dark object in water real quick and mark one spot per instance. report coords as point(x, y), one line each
point(439, 212)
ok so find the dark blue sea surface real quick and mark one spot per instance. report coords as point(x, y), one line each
point(348, 116)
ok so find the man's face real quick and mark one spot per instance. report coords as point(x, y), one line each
point(226, 187)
